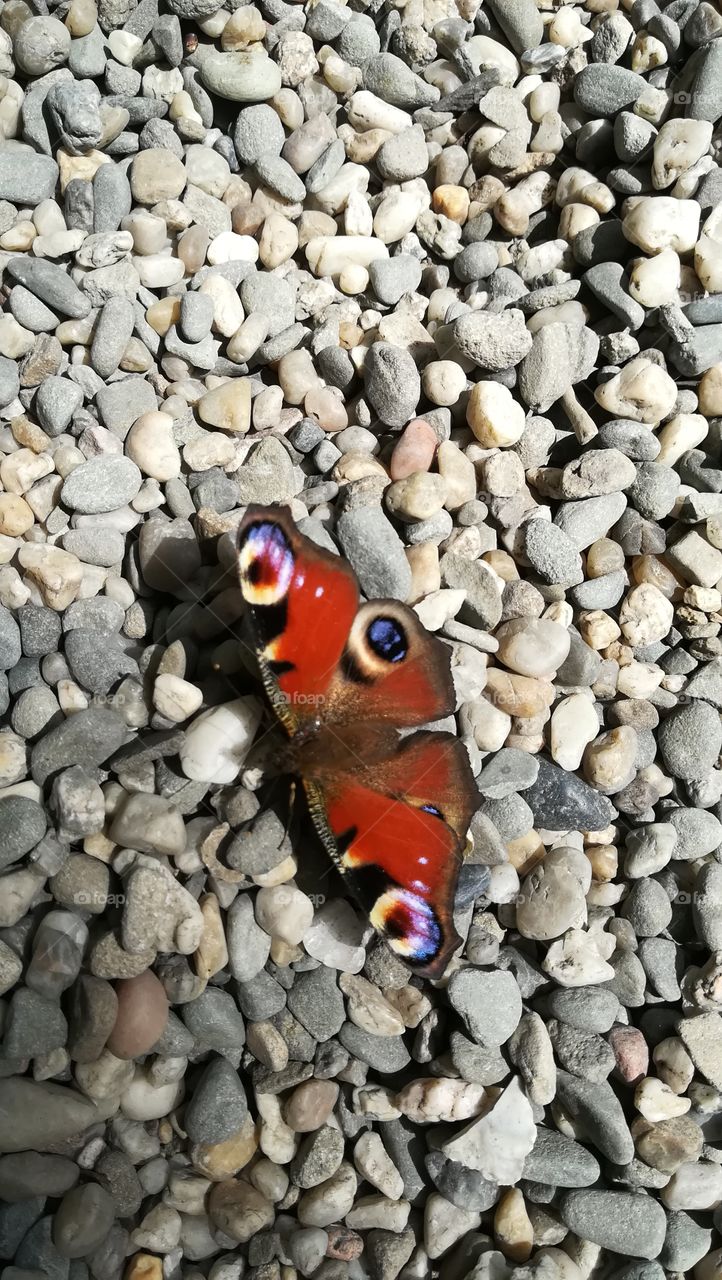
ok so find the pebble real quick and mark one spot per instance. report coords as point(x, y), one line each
point(256, 259)
point(626, 1224)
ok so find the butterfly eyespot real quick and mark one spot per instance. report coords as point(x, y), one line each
point(387, 639)
point(431, 808)
point(266, 564)
point(409, 923)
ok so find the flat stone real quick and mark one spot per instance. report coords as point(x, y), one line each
point(561, 801)
point(625, 1223)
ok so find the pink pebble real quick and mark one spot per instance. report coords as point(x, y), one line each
point(631, 1052)
point(415, 450)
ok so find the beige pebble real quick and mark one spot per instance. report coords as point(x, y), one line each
point(354, 279)
point(20, 470)
point(212, 953)
point(150, 445)
point(489, 725)
point(81, 17)
point(418, 497)
point(228, 406)
point(211, 449)
point(451, 201)
point(56, 573)
point(661, 222)
point(326, 405)
point(673, 1063)
point(604, 556)
point(279, 241)
point(244, 27)
point(443, 381)
point(161, 315)
point(682, 433)
point(228, 312)
point(425, 572)
point(598, 629)
point(518, 695)
point(609, 761)
point(192, 247)
point(495, 417)
point(18, 238)
point(239, 1211)
point(430, 1101)
point(513, 1230)
point(709, 391)
point(655, 281)
point(15, 340)
point(533, 646)
point(267, 1045)
point(645, 615)
point(656, 1101)
point(156, 174)
point(174, 698)
point(641, 391)
point(297, 375)
point(247, 338)
point(144, 1266)
point(708, 249)
point(368, 1008)
point(459, 474)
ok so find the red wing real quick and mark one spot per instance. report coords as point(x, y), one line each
point(321, 655)
point(401, 850)
point(392, 669)
point(303, 600)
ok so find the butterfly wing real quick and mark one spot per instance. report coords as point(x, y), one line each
point(303, 601)
point(400, 850)
point(320, 654)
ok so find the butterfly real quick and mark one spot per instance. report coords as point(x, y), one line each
point(345, 679)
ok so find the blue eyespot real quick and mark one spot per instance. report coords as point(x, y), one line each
point(431, 808)
point(387, 639)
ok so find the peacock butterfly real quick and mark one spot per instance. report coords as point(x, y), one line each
point(345, 679)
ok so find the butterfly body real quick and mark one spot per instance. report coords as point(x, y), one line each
point(348, 681)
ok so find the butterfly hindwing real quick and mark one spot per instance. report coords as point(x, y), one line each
point(401, 850)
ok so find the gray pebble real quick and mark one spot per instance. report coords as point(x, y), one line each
point(51, 284)
point(552, 554)
point(560, 1160)
point(619, 1221)
point(9, 381)
point(690, 740)
point(392, 381)
point(218, 1106)
point(603, 89)
point(113, 331)
point(83, 1219)
point(317, 1003)
point(391, 278)
point(493, 342)
point(375, 552)
point(34, 1026)
point(10, 646)
point(489, 1003)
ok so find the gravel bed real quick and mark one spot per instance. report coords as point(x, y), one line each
point(446, 280)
